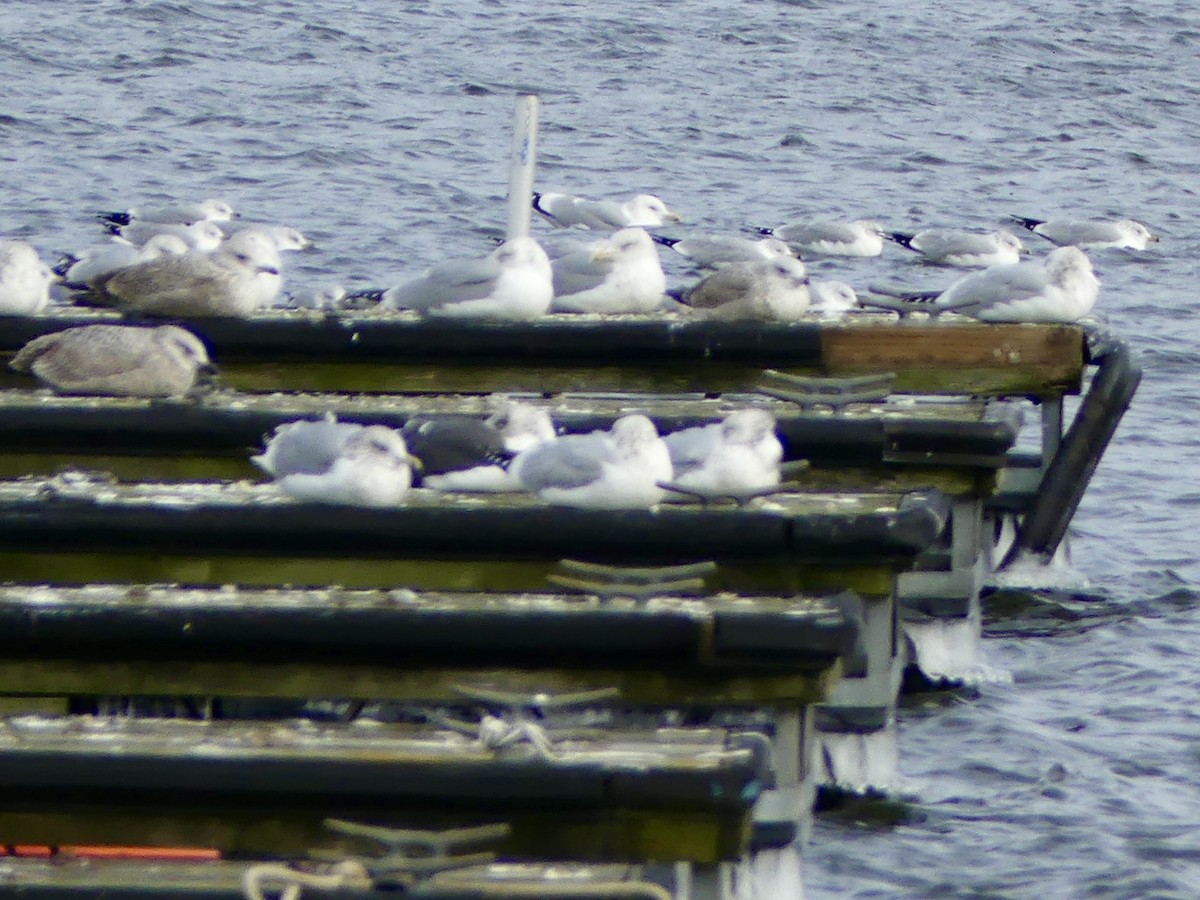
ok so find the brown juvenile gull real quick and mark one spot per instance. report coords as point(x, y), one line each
point(767, 290)
point(115, 360)
point(239, 278)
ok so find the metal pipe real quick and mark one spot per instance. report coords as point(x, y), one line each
point(521, 165)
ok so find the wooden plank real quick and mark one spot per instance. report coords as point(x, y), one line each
point(961, 357)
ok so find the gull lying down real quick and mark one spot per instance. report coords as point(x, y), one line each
point(962, 248)
point(513, 282)
point(24, 280)
point(621, 274)
point(714, 251)
point(327, 461)
point(1062, 287)
point(766, 290)
point(116, 360)
point(180, 213)
point(617, 469)
point(1091, 233)
point(567, 210)
point(821, 238)
point(238, 279)
point(95, 263)
point(737, 457)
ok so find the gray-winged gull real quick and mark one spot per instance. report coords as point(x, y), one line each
point(510, 283)
point(331, 462)
point(617, 469)
point(967, 249)
point(823, 238)
point(737, 457)
point(179, 213)
point(715, 250)
point(568, 210)
point(1090, 233)
point(1061, 287)
point(620, 274)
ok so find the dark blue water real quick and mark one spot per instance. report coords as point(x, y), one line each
point(381, 129)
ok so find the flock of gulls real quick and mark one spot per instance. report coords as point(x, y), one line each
point(188, 260)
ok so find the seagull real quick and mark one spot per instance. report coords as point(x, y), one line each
point(183, 213)
point(513, 283)
point(962, 248)
point(204, 236)
point(820, 238)
point(766, 290)
point(617, 469)
point(285, 237)
point(321, 296)
point(94, 263)
point(330, 462)
point(116, 360)
point(239, 278)
point(621, 274)
point(24, 280)
point(461, 453)
point(738, 457)
point(713, 251)
point(832, 298)
point(1091, 233)
point(566, 210)
point(1062, 287)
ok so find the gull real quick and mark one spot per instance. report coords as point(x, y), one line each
point(738, 457)
point(766, 290)
point(617, 469)
point(204, 236)
point(821, 238)
point(713, 251)
point(24, 280)
point(962, 248)
point(831, 298)
point(182, 213)
point(322, 296)
point(237, 279)
point(461, 453)
point(604, 215)
point(621, 274)
point(1090, 233)
point(95, 263)
point(285, 237)
point(330, 462)
point(510, 283)
point(116, 360)
point(1059, 288)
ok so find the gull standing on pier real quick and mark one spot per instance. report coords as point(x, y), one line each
point(330, 462)
point(116, 360)
point(566, 210)
point(513, 282)
point(621, 274)
point(1062, 287)
point(617, 469)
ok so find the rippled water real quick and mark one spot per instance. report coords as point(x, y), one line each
point(381, 129)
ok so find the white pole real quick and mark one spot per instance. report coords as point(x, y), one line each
point(520, 171)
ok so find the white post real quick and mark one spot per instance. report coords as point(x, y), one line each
point(520, 171)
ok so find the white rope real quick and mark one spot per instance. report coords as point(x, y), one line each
point(292, 882)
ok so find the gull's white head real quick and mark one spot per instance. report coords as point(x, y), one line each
point(646, 209)
point(522, 251)
point(216, 210)
point(789, 272)
point(1140, 233)
point(633, 433)
point(1008, 241)
point(833, 295)
point(749, 427)
point(164, 244)
point(771, 247)
point(205, 236)
point(631, 243)
point(378, 444)
point(522, 426)
point(254, 250)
